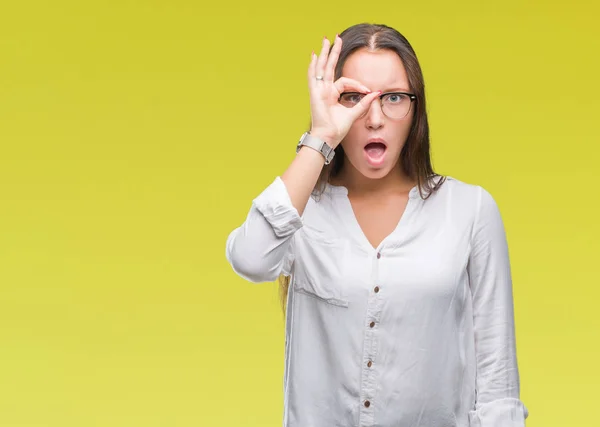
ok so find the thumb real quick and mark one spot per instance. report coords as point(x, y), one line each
point(364, 104)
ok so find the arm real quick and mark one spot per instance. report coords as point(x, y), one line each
point(498, 403)
point(262, 247)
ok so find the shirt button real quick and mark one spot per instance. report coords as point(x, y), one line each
point(372, 324)
point(367, 403)
point(378, 255)
point(369, 363)
point(376, 289)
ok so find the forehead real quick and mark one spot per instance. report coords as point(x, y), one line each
point(378, 70)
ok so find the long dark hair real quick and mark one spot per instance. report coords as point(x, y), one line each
point(415, 157)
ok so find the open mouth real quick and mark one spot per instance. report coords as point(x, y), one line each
point(375, 150)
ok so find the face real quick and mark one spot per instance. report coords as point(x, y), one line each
point(381, 70)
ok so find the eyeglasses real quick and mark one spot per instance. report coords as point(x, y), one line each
point(395, 105)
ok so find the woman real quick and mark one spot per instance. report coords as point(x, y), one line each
point(396, 280)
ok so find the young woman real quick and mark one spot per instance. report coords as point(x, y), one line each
point(396, 281)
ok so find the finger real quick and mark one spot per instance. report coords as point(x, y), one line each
point(334, 54)
point(320, 71)
point(312, 67)
point(364, 104)
point(345, 84)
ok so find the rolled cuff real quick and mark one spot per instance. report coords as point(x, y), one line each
point(275, 205)
point(507, 412)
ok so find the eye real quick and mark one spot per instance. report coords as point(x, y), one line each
point(351, 98)
point(395, 98)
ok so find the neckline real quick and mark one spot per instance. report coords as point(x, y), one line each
point(354, 225)
point(355, 228)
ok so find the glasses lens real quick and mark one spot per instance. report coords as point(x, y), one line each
point(350, 99)
point(396, 105)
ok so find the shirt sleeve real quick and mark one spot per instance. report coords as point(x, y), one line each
point(497, 389)
point(261, 248)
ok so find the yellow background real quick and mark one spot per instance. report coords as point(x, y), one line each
point(134, 135)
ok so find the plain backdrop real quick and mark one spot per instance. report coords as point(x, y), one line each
point(135, 134)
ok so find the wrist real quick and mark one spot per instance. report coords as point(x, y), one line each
point(324, 136)
point(317, 143)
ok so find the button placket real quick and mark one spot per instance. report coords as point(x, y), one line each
point(373, 315)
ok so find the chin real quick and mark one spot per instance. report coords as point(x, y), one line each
point(372, 173)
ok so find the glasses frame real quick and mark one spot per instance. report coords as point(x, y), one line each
point(411, 96)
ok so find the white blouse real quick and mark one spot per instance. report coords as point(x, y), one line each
point(418, 332)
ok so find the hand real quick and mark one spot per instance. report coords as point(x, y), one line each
point(331, 121)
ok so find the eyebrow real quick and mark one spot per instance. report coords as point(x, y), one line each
point(386, 91)
point(396, 90)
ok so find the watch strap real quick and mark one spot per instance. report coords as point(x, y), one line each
point(316, 144)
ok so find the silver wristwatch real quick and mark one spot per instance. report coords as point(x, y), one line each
point(316, 144)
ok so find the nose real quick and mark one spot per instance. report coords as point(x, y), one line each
point(375, 117)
